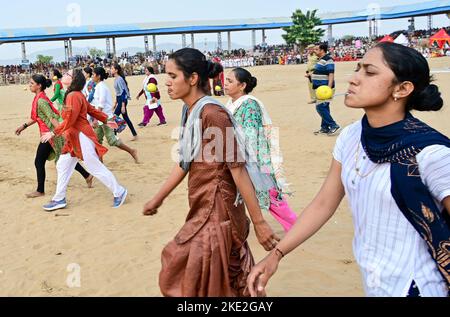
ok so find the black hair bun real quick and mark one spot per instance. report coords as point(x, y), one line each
point(48, 83)
point(253, 82)
point(214, 69)
point(428, 99)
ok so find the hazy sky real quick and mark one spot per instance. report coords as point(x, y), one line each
point(54, 13)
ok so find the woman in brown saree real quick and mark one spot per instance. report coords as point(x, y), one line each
point(210, 256)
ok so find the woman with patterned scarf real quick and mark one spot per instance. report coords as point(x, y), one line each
point(395, 170)
point(256, 124)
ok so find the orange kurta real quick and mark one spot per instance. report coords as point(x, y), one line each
point(74, 114)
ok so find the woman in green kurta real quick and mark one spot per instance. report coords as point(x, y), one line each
point(47, 117)
point(253, 118)
point(58, 90)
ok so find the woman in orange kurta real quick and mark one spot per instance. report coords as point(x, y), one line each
point(210, 256)
point(81, 143)
point(47, 117)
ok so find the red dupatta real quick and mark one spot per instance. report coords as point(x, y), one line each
point(42, 126)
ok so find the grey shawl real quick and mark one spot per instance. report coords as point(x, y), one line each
point(191, 144)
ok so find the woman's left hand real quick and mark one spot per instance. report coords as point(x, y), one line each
point(260, 275)
point(124, 110)
point(47, 137)
point(266, 237)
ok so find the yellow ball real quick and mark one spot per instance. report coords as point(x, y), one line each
point(152, 88)
point(324, 93)
point(55, 78)
point(218, 88)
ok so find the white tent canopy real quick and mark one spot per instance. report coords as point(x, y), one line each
point(401, 39)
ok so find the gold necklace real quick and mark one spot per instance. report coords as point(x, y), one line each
point(358, 170)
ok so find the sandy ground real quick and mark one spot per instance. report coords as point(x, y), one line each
point(118, 251)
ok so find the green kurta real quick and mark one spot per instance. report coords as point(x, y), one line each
point(58, 96)
point(249, 116)
point(46, 114)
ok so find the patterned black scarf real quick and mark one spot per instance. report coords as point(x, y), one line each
point(399, 144)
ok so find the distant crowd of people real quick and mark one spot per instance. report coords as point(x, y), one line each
point(345, 49)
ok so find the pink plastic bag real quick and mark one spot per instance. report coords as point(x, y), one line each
point(281, 211)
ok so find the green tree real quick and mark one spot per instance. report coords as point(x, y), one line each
point(93, 52)
point(304, 30)
point(42, 59)
point(348, 37)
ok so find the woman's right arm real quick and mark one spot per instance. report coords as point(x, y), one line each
point(175, 178)
point(314, 217)
point(24, 126)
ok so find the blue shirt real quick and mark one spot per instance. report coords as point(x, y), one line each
point(322, 71)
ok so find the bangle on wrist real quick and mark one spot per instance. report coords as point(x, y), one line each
point(279, 252)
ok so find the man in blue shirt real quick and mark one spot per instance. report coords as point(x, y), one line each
point(323, 75)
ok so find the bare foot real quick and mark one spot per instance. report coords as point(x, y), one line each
point(35, 195)
point(89, 181)
point(134, 139)
point(135, 156)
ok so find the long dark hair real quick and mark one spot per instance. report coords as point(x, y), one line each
point(57, 73)
point(409, 65)
point(120, 72)
point(190, 60)
point(78, 82)
point(100, 71)
point(43, 81)
point(151, 70)
point(88, 71)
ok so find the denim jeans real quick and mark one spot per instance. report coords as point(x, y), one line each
point(125, 116)
point(328, 123)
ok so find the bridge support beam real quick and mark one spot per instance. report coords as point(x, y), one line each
point(330, 34)
point(114, 47)
point(430, 23)
point(154, 44)
point(24, 51)
point(70, 48)
point(253, 39)
point(147, 47)
point(66, 50)
point(108, 47)
point(219, 41)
